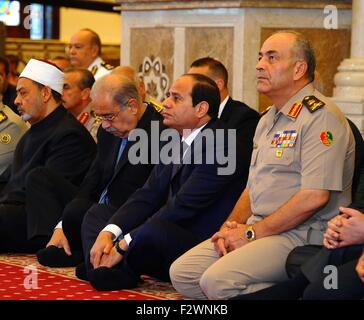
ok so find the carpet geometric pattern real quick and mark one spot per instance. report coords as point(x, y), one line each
point(23, 278)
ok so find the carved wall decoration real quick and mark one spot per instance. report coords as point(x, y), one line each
point(155, 79)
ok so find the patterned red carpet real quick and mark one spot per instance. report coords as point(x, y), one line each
point(23, 278)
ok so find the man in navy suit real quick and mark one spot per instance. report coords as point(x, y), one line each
point(179, 205)
point(112, 177)
point(236, 114)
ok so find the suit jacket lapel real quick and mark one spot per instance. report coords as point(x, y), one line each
point(226, 113)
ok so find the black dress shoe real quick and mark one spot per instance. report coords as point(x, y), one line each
point(108, 279)
point(53, 256)
point(81, 271)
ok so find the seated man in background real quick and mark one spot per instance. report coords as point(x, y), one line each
point(236, 114)
point(8, 90)
point(76, 98)
point(55, 141)
point(181, 203)
point(343, 249)
point(11, 130)
point(13, 75)
point(61, 62)
point(112, 178)
point(300, 173)
point(85, 53)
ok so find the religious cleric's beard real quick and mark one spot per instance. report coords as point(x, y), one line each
point(26, 116)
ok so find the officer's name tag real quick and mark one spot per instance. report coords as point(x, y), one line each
point(284, 139)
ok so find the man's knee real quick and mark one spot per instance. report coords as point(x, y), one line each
point(209, 285)
point(176, 275)
point(184, 280)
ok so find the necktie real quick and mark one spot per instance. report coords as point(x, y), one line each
point(104, 199)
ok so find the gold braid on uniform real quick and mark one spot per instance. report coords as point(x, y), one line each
point(107, 66)
point(265, 111)
point(312, 103)
point(155, 104)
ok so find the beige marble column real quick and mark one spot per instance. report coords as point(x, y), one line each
point(349, 81)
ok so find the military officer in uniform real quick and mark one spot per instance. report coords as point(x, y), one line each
point(85, 52)
point(11, 130)
point(76, 98)
point(300, 174)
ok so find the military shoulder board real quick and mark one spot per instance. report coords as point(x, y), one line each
point(3, 116)
point(155, 104)
point(312, 103)
point(265, 111)
point(107, 66)
point(94, 70)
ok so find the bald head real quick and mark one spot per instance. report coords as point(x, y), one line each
point(85, 47)
point(130, 73)
point(125, 71)
point(117, 87)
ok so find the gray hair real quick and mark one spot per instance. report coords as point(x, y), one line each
point(303, 50)
point(119, 88)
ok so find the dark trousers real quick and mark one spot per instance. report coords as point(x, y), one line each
point(47, 194)
point(13, 231)
point(156, 245)
point(94, 221)
point(72, 221)
point(349, 285)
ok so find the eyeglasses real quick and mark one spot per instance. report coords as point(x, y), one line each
point(110, 116)
point(107, 117)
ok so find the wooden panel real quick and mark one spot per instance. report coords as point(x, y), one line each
point(48, 49)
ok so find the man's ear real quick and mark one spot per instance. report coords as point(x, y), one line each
point(300, 69)
point(85, 94)
point(94, 51)
point(201, 109)
point(220, 84)
point(133, 105)
point(46, 94)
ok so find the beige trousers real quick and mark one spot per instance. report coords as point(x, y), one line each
point(201, 274)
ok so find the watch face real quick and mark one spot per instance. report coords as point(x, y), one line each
point(249, 234)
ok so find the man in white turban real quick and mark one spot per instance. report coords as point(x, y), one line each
point(56, 142)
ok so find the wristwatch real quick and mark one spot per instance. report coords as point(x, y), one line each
point(250, 233)
point(118, 248)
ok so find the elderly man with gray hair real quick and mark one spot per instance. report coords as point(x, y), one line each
point(55, 142)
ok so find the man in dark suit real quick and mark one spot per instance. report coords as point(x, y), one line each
point(236, 114)
point(112, 178)
point(55, 141)
point(179, 205)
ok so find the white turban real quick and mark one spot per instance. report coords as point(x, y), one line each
point(44, 73)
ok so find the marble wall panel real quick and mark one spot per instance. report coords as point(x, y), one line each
point(216, 42)
point(151, 53)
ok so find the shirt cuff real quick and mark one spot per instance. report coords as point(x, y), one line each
point(59, 225)
point(114, 229)
point(128, 238)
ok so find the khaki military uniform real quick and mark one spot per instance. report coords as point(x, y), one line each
point(12, 127)
point(90, 121)
point(99, 68)
point(295, 148)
